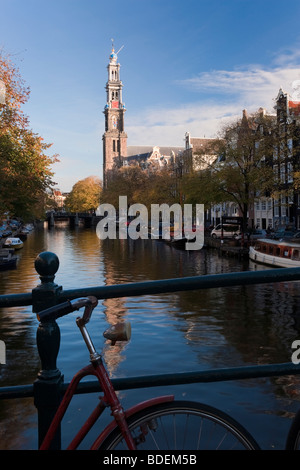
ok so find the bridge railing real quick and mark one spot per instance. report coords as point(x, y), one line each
point(49, 386)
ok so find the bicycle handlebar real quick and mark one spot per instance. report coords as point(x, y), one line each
point(65, 308)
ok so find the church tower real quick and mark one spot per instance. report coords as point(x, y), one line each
point(114, 137)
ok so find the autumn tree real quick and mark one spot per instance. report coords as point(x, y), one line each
point(243, 170)
point(85, 195)
point(130, 181)
point(143, 186)
point(25, 167)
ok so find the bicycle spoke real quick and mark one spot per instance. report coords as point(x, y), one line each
point(173, 426)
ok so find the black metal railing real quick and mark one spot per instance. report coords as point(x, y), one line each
point(49, 385)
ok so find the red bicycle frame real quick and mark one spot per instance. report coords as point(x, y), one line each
point(119, 332)
point(109, 399)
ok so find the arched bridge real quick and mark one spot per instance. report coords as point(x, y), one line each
point(89, 219)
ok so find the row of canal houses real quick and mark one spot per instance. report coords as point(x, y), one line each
point(267, 212)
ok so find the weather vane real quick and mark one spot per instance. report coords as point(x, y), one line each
point(113, 47)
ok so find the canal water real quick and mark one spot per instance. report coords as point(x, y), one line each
point(178, 332)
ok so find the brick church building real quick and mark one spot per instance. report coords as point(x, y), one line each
point(116, 153)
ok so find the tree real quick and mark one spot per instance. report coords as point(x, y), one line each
point(25, 168)
point(128, 181)
point(143, 186)
point(85, 195)
point(243, 170)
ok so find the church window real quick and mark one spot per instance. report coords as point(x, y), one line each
point(114, 145)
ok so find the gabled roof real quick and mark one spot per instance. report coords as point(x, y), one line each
point(143, 151)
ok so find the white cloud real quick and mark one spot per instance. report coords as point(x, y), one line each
point(253, 86)
point(223, 94)
point(166, 126)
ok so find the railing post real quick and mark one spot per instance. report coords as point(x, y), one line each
point(47, 386)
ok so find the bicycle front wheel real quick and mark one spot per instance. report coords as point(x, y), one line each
point(182, 425)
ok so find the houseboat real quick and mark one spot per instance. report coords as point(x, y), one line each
point(279, 253)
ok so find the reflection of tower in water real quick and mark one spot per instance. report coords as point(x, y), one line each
point(115, 311)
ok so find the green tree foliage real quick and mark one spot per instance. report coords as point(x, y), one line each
point(242, 170)
point(85, 195)
point(25, 168)
point(141, 186)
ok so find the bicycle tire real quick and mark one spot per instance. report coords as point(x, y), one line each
point(293, 438)
point(209, 429)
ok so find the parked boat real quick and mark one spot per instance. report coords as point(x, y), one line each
point(279, 253)
point(13, 242)
point(7, 260)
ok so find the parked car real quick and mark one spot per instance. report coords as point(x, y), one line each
point(255, 234)
point(229, 231)
point(283, 234)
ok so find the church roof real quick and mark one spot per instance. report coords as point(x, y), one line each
point(144, 151)
point(201, 142)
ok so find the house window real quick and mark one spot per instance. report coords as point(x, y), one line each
point(282, 172)
point(290, 172)
point(290, 147)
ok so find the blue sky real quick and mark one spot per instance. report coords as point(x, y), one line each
point(186, 65)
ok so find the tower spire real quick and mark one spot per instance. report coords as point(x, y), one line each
point(114, 137)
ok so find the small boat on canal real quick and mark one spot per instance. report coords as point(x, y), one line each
point(13, 242)
point(7, 260)
point(279, 253)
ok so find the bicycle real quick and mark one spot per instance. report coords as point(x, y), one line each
point(161, 423)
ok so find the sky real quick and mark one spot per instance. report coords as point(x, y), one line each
point(186, 66)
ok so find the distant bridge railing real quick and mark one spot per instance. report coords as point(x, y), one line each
point(49, 386)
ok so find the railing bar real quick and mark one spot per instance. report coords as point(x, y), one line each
point(15, 300)
point(167, 285)
point(186, 283)
point(212, 375)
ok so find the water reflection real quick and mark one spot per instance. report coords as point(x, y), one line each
point(181, 331)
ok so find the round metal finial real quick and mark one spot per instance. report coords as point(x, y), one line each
point(46, 265)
